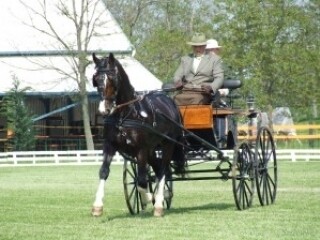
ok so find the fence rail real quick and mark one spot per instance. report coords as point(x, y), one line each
point(95, 157)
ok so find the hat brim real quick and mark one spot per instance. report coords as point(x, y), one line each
point(197, 44)
point(211, 47)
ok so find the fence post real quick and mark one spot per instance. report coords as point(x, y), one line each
point(14, 156)
point(34, 159)
point(78, 157)
point(56, 157)
point(293, 156)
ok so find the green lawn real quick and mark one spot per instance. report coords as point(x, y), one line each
point(55, 203)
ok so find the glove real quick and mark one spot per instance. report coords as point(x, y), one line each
point(207, 88)
point(223, 91)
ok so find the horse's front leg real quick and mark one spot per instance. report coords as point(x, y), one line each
point(97, 208)
point(146, 196)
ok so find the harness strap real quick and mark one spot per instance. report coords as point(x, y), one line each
point(138, 124)
point(153, 112)
point(139, 98)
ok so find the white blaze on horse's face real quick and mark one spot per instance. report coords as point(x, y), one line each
point(102, 108)
point(106, 73)
point(106, 107)
point(111, 89)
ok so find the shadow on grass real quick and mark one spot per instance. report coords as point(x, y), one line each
point(149, 212)
point(209, 206)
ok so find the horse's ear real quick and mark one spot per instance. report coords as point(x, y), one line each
point(111, 57)
point(95, 59)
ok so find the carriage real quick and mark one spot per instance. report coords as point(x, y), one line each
point(251, 168)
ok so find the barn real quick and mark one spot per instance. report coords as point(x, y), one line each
point(39, 62)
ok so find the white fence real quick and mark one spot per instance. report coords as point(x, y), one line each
point(95, 157)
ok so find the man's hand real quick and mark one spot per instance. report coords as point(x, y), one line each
point(224, 91)
point(178, 85)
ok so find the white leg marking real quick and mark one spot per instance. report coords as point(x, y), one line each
point(160, 194)
point(146, 197)
point(102, 108)
point(100, 194)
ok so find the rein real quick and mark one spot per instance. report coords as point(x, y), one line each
point(139, 98)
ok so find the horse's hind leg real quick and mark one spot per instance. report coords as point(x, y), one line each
point(160, 169)
point(159, 198)
point(97, 208)
point(146, 197)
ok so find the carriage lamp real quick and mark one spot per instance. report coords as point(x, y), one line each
point(250, 103)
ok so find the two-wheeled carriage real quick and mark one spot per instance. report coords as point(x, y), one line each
point(162, 143)
point(253, 166)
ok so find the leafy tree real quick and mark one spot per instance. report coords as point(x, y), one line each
point(160, 29)
point(272, 46)
point(19, 119)
point(266, 43)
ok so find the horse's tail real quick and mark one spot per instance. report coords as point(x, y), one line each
point(179, 159)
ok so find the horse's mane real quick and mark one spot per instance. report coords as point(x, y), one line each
point(124, 76)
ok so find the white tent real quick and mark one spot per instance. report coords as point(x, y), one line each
point(17, 35)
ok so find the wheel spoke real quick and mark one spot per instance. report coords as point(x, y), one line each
point(271, 187)
point(246, 197)
point(132, 175)
point(132, 192)
point(130, 188)
point(265, 188)
point(248, 188)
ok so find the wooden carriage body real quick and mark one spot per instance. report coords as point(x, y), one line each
point(201, 120)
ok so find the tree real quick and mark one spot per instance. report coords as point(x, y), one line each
point(266, 44)
point(19, 119)
point(160, 29)
point(272, 46)
point(86, 20)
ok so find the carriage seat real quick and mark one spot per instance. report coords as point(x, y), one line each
point(232, 84)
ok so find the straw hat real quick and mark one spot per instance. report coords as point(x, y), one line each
point(198, 39)
point(212, 43)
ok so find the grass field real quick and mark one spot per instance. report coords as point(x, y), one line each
point(55, 203)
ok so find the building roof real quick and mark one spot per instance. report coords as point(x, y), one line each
point(34, 57)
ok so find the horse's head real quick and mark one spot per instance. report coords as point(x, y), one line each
point(106, 79)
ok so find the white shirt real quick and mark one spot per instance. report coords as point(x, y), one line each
point(196, 62)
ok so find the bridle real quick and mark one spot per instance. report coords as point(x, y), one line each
point(107, 79)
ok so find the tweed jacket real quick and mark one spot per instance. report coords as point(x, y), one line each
point(209, 72)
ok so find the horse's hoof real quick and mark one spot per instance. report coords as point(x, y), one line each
point(97, 211)
point(158, 212)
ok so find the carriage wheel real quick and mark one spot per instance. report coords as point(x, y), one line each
point(130, 184)
point(266, 167)
point(243, 176)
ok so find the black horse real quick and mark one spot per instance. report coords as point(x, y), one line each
point(138, 126)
